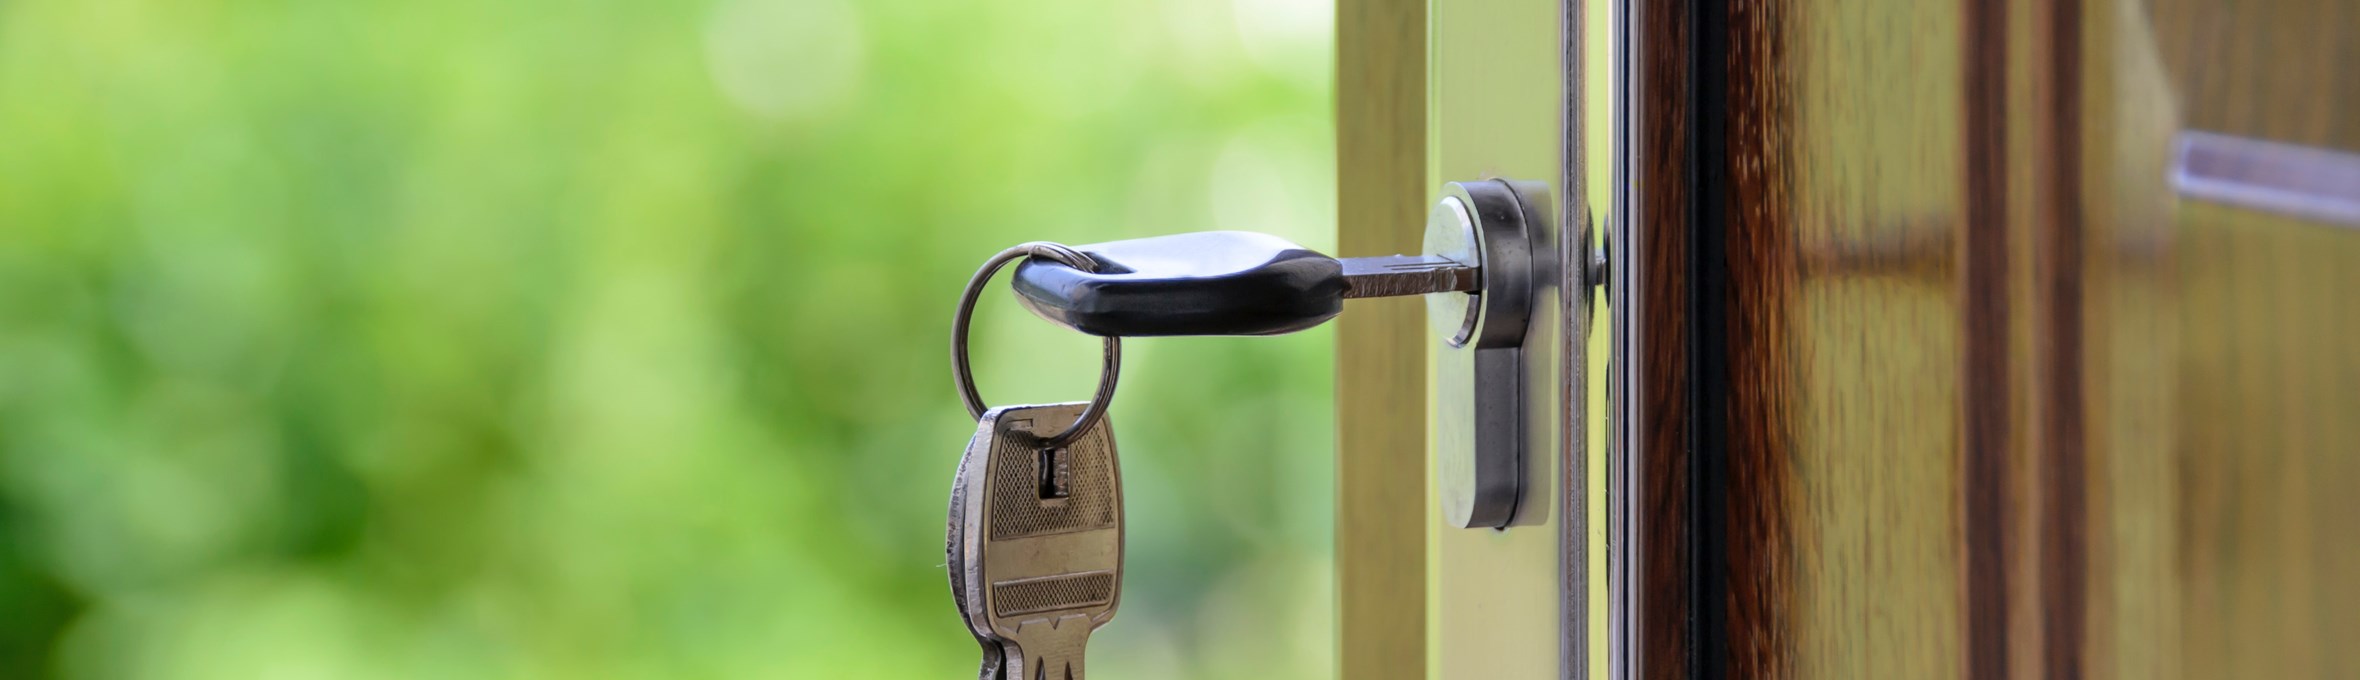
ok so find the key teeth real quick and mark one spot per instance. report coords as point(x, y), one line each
point(1040, 671)
point(1054, 643)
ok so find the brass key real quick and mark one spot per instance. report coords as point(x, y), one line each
point(1036, 540)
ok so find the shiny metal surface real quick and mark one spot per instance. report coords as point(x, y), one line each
point(1400, 275)
point(2297, 181)
point(963, 372)
point(1479, 384)
point(1033, 574)
point(1450, 234)
point(1622, 384)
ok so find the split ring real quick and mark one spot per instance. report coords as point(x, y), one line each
point(964, 374)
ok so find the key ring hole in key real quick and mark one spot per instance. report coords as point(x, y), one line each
point(964, 373)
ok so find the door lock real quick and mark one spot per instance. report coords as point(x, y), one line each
point(1480, 273)
point(1478, 384)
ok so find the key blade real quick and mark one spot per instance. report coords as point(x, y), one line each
point(1052, 648)
point(1398, 275)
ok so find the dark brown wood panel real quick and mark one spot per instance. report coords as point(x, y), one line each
point(1758, 328)
point(1941, 378)
point(1826, 235)
point(1662, 507)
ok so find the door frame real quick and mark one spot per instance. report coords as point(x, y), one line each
point(1428, 93)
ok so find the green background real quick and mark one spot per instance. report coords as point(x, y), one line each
point(535, 339)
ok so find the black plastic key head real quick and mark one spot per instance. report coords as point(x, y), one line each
point(1204, 283)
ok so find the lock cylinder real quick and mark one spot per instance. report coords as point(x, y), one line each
point(1478, 391)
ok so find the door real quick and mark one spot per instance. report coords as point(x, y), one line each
point(1941, 339)
point(1984, 339)
point(1430, 93)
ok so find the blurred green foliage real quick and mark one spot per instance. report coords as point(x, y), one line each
point(536, 339)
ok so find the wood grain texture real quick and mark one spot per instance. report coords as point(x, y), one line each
point(1956, 387)
point(1822, 374)
point(1896, 386)
point(1739, 237)
point(2265, 457)
point(1380, 352)
point(1661, 503)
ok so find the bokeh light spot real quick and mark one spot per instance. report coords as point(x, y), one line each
point(785, 58)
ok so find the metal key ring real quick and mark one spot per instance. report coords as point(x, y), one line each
point(965, 374)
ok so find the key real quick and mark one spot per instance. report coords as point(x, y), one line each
point(1036, 541)
point(1226, 283)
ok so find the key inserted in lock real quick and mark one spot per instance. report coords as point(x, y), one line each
point(1479, 273)
point(1221, 283)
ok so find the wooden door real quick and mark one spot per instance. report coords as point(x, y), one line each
point(1983, 339)
point(1951, 339)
